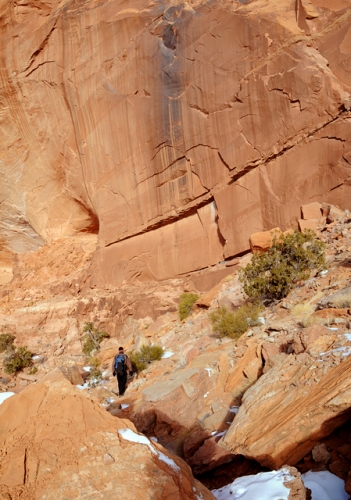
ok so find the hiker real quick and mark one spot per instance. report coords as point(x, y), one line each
point(121, 364)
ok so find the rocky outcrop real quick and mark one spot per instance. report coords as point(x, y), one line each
point(58, 442)
point(172, 131)
point(272, 428)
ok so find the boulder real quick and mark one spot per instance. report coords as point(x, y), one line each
point(259, 242)
point(311, 211)
point(312, 224)
point(58, 442)
point(272, 428)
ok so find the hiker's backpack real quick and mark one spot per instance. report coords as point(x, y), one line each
point(120, 366)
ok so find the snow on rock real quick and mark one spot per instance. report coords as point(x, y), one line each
point(132, 436)
point(234, 409)
point(325, 485)
point(167, 354)
point(87, 448)
point(262, 486)
point(5, 395)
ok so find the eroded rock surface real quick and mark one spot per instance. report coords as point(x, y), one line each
point(58, 442)
point(172, 131)
point(288, 430)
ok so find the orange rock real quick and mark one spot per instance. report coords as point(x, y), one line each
point(238, 381)
point(259, 242)
point(290, 409)
point(195, 172)
point(72, 448)
point(311, 211)
point(313, 224)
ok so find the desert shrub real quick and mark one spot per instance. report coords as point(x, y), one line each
point(95, 377)
point(234, 323)
point(187, 300)
point(313, 320)
point(302, 309)
point(144, 356)
point(17, 359)
point(343, 301)
point(92, 338)
point(271, 275)
point(6, 340)
point(33, 370)
point(94, 361)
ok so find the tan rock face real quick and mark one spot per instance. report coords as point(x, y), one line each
point(173, 131)
point(57, 442)
point(272, 428)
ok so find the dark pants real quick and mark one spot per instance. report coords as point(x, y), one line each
point(122, 382)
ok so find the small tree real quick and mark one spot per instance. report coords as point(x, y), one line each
point(17, 359)
point(187, 300)
point(92, 338)
point(143, 357)
point(271, 275)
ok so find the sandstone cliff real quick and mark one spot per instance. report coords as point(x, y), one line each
point(173, 130)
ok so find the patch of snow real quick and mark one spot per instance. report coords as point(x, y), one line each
point(262, 486)
point(325, 485)
point(346, 351)
point(205, 395)
point(324, 272)
point(87, 368)
point(209, 371)
point(5, 395)
point(36, 357)
point(261, 320)
point(82, 387)
point(124, 406)
point(132, 436)
point(110, 400)
point(198, 496)
point(234, 409)
point(171, 463)
point(167, 354)
point(218, 434)
point(332, 328)
point(348, 336)
point(154, 439)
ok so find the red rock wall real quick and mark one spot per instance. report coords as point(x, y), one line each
point(173, 130)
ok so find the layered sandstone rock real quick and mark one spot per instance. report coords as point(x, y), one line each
point(173, 131)
point(57, 442)
point(294, 405)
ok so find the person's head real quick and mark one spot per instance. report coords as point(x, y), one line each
point(120, 350)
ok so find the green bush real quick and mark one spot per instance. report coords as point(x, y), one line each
point(17, 359)
point(144, 356)
point(92, 338)
point(187, 300)
point(95, 377)
point(271, 275)
point(234, 323)
point(6, 340)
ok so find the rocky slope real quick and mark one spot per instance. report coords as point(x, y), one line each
point(278, 396)
point(56, 442)
point(171, 130)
